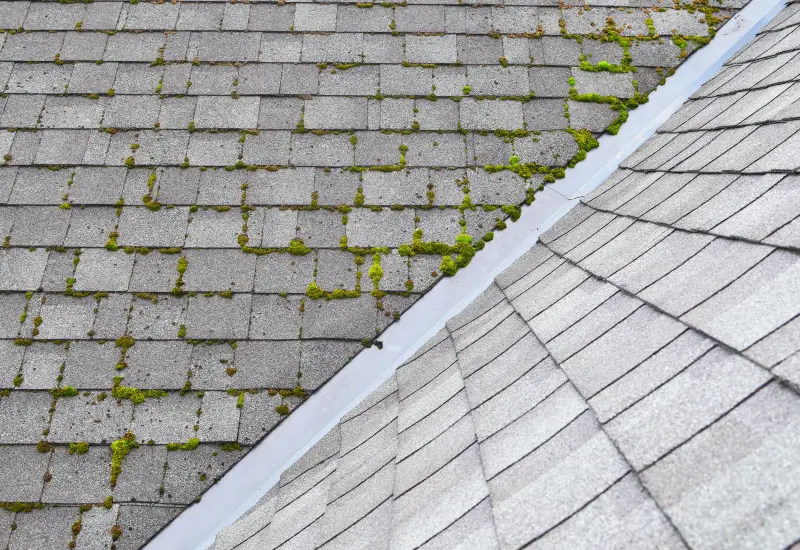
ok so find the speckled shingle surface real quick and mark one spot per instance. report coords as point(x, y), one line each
point(630, 382)
point(207, 208)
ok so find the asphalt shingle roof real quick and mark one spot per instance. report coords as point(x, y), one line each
point(208, 208)
point(630, 382)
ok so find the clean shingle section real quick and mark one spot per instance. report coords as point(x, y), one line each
point(720, 263)
point(740, 455)
point(695, 398)
point(565, 473)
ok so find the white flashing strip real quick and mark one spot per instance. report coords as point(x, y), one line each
point(260, 469)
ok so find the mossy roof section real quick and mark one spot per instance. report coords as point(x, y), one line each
point(632, 381)
point(209, 208)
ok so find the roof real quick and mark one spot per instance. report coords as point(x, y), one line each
point(630, 382)
point(209, 208)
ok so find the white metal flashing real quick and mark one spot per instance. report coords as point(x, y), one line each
point(261, 468)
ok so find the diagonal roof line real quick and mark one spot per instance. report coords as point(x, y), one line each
point(261, 468)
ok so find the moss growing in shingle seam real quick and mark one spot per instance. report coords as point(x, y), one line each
point(137, 396)
point(376, 274)
point(119, 450)
point(21, 507)
point(81, 447)
point(190, 445)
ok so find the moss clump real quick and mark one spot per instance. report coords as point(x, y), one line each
point(76, 528)
point(585, 141)
point(66, 391)
point(21, 507)
point(513, 211)
point(376, 274)
point(315, 292)
point(183, 265)
point(43, 446)
point(233, 446)
point(136, 395)
point(119, 450)
point(81, 447)
point(108, 502)
point(297, 247)
point(116, 532)
point(448, 266)
point(125, 342)
point(111, 244)
point(190, 445)
point(282, 409)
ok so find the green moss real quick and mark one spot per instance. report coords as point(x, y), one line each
point(108, 502)
point(44, 447)
point(137, 396)
point(233, 446)
point(21, 507)
point(448, 266)
point(190, 445)
point(119, 450)
point(376, 274)
point(282, 409)
point(66, 391)
point(513, 211)
point(315, 292)
point(111, 244)
point(76, 528)
point(81, 447)
point(297, 247)
point(651, 28)
point(125, 342)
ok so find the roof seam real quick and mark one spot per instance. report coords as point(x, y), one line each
point(698, 232)
point(718, 342)
point(590, 410)
point(475, 433)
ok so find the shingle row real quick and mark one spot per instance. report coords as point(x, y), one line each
point(343, 18)
point(323, 113)
point(281, 148)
